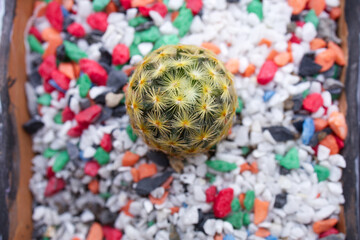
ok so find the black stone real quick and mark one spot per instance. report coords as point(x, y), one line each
point(60, 53)
point(327, 30)
point(144, 26)
point(34, 78)
point(106, 113)
point(333, 86)
point(70, 38)
point(72, 150)
point(280, 200)
point(105, 66)
point(290, 28)
point(119, 111)
point(284, 171)
point(314, 140)
point(116, 80)
point(67, 22)
point(203, 217)
point(84, 103)
point(105, 57)
point(232, 1)
point(100, 99)
point(339, 236)
point(36, 60)
point(297, 100)
point(146, 185)
point(280, 134)
point(92, 38)
point(33, 125)
point(308, 67)
point(39, 230)
point(106, 217)
point(298, 124)
point(295, 18)
point(158, 157)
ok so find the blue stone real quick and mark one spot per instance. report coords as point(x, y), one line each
point(268, 95)
point(308, 131)
point(271, 238)
point(64, 12)
point(55, 85)
point(229, 237)
point(81, 156)
point(184, 205)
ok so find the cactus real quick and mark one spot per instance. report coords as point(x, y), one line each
point(181, 100)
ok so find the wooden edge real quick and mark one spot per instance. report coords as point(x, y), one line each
point(343, 33)
point(21, 210)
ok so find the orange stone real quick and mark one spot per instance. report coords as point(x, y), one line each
point(317, 43)
point(282, 59)
point(324, 225)
point(232, 65)
point(317, 5)
point(94, 186)
point(244, 167)
point(141, 3)
point(320, 124)
point(262, 232)
point(135, 174)
point(147, 170)
point(130, 159)
point(335, 13)
point(212, 47)
point(250, 70)
point(261, 209)
point(326, 59)
point(95, 232)
point(330, 142)
point(339, 53)
point(272, 55)
point(297, 5)
point(265, 41)
point(254, 167)
point(158, 201)
point(338, 124)
point(67, 69)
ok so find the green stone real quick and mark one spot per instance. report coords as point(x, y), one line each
point(119, 67)
point(305, 93)
point(183, 21)
point(150, 35)
point(99, 5)
point(44, 99)
point(58, 118)
point(150, 223)
point(335, 96)
point(249, 200)
point(166, 40)
point(101, 156)
point(211, 177)
point(122, 101)
point(84, 83)
point(311, 17)
point(221, 166)
point(131, 134)
point(245, 150)
point(134, 50)
point(45, 238)
point(236, 220)
point(48, 153)
point(291, 159)
point(235, 205)
point(322, 172)
point(34, 44)
point(336, 72)
point(137, 38)
point(240, 106)
point(278, 157)
point(60, 161)
point(73, 51)
point(105, 195)
point(256, 7)
point(246, 219)
point(137, 21)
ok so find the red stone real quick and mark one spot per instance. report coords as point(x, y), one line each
point(121, 54)
point(67, 114)
point(61, 95)
point(222, 203)
point(76, 30)
point(54, 185)
point(47, 87)
point(33, 30)
point(194, 5)
point(61, 79)
point(106, 142)
point(54, 15)
point(313, 102)
point(126, 4)
point(91, 168)
point(98, 21)
point(267, 72)
point(160, 8)
point(75, 131)
point(49, 173)
point(94, 70)
point(300, 23)
point(111, 233)
point(87, 116)
point(295, 39)
point(47, 67)
point(329, 232)
point(339, 142)
point(210, 194)
point(144, 11)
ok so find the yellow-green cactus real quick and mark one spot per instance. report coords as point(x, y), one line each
point(181, 100)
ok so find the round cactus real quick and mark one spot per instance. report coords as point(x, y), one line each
point(181, 100)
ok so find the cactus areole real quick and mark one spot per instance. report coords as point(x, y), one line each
point(181, 100)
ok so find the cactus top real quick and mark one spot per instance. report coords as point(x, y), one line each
point(181, 100)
